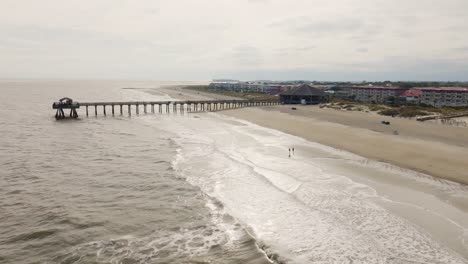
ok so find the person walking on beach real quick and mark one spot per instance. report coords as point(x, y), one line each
point(289, 152)
point(293, 151)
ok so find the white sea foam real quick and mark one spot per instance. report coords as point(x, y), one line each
point(205, 242)
point(301, 207)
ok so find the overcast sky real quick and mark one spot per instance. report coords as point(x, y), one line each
point(243, 39)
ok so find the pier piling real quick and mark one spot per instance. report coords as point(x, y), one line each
point(177, 106)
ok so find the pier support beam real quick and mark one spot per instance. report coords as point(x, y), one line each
point(177, 106)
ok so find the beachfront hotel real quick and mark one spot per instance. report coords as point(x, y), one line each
point(255, 87)
point(433, 96)
point(374, 94)
point(444, 96)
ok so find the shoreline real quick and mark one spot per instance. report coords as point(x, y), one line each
point(429, 148)
point(259, 137)
point(429, 153)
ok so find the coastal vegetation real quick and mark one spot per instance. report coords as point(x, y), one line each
point(394, 110)
point(409, 111)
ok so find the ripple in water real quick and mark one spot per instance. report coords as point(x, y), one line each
point(101, 190)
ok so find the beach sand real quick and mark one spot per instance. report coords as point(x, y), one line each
point(437, 206)
point(433, 149)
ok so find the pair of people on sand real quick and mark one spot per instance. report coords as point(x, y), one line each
point(290, 151)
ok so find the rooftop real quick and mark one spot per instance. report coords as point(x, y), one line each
point(304, 90)
point(445, 89)
point(412, 93)
point(378, 88)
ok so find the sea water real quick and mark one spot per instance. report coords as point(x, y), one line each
point(203, 188)
point(102, 190)
point(319, 204)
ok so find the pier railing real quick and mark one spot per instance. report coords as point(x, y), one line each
point(449, 116)
point(163, 106)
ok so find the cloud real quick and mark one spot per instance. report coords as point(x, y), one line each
point(244, 55)
point(462, 49)
point(161, 39)
point(332, 26)
point(313, 25)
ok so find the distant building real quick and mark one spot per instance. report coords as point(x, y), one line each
point(224, 84)
point(444, 96)
point(438, 97)
point(411, 96)
point(341, 92)
point(304, 94)
point(375, 94)
point(252, 87)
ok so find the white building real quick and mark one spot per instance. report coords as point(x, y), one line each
point(374, 94)
point(444, 96)
point(237, 86)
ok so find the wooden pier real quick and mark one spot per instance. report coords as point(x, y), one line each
point(65, 103)
point(434, 117)
point(121, 108)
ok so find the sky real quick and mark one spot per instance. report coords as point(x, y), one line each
point(324, 40)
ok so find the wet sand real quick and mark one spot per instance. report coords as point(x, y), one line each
point(434, 205)
point(433, 149)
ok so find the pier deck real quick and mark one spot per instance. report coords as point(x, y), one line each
point(169, 106)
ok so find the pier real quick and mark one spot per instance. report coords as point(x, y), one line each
point(65, 103)
point(443, 117)
point(129, 108)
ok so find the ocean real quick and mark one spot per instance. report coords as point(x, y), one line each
point(202, 188)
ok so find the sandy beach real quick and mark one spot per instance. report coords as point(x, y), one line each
point(434, 149)
point(408, 184)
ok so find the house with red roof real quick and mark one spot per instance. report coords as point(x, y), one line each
point(412, 96)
